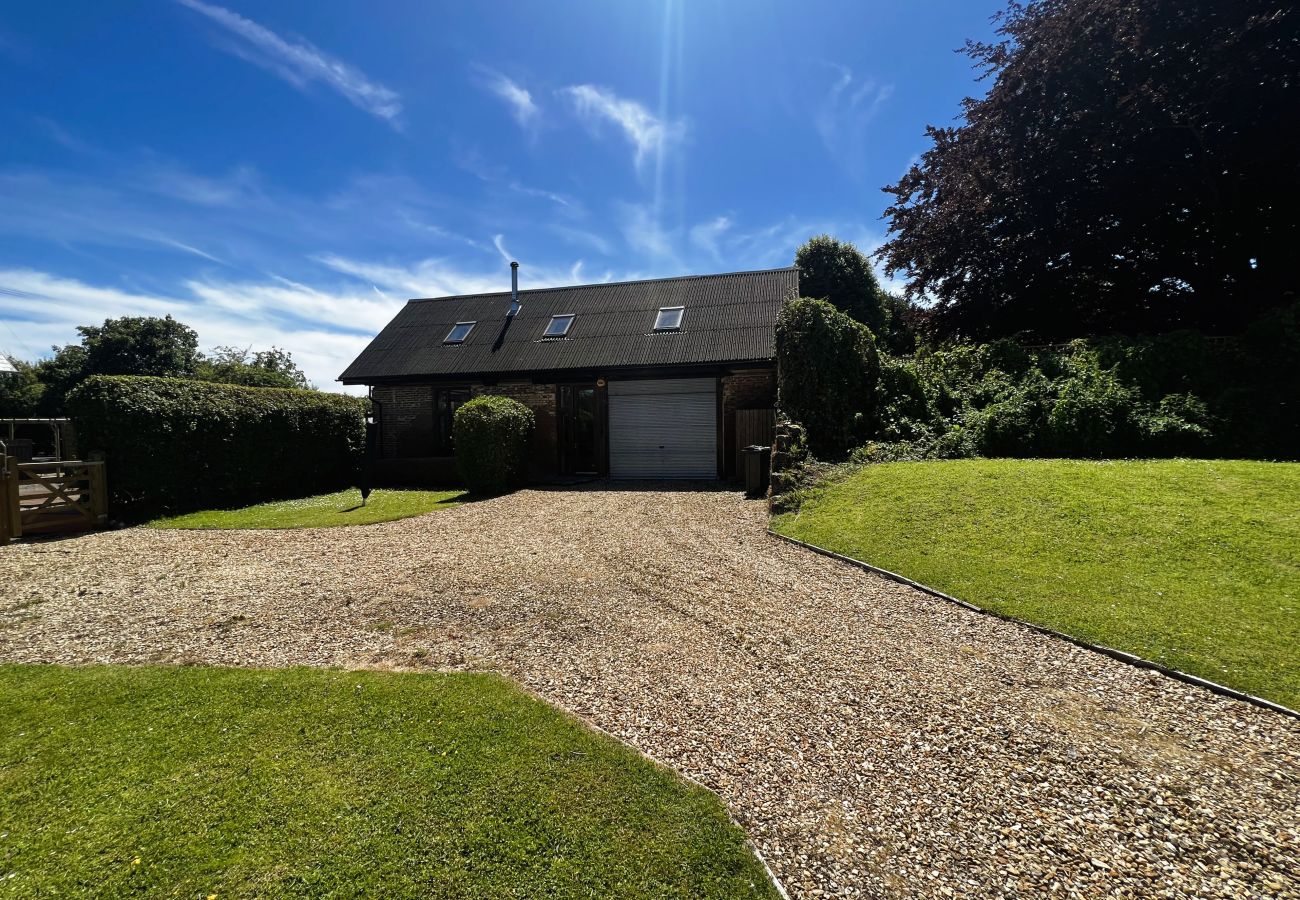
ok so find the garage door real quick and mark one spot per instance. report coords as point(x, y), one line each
point(663, 429)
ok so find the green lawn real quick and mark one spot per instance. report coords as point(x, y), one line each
point(323, 511)
point(192, 782)
point(1193, 564)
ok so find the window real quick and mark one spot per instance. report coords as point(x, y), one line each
point(445, 403)
point(559, 325)
point(669, 318)
point(459, 332)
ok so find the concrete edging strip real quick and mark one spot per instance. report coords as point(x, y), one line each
point(1120, 655)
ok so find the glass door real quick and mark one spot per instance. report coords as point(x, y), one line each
point(578, 427)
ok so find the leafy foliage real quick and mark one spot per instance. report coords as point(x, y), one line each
point(827, 369)
point(175, 445)
point(145, 345)
point(21, 392)
point(1175, 394)
point(492, 435)
point(837, 271)
point(263, 368)
point(140, 345)
point(1122, 174)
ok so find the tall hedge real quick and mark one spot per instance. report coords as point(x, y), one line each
point(827, 371)
point(173, 445)
point(492, 436)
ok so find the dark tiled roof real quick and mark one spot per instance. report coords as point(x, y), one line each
point(729, 319)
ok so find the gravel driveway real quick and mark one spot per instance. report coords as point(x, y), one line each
point(873, 741)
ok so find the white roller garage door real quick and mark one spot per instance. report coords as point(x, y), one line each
point(663, 429)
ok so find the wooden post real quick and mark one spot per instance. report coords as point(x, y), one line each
point(98, 492)
point(11, 519)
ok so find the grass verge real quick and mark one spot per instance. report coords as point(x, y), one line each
point(322, 511)
point(195, 782)
point(1194, 564)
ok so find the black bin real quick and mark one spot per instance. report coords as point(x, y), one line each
point(756, 462)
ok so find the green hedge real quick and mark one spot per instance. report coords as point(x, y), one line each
point(827, 372)
point(173, 445)
point(1175, 394)
point(492, 436)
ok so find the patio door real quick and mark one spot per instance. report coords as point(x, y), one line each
point(579, 421)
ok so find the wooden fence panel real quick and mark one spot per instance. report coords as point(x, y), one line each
point(753, 426)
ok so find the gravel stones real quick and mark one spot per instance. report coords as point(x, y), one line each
point(874, 741)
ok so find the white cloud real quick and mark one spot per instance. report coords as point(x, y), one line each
point(648, 134)
point(706, 234)
point(645, 234)
point(842, 117)
point(581, 237)
point(324, 330)
point(525, 110)
point(301, 63)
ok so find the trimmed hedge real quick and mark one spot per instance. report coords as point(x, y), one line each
point(174, 445)
point(827, 373)
point(492, 436)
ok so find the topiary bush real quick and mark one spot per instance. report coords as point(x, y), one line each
point(174, 445)
point(492, 436)
point(827, 373)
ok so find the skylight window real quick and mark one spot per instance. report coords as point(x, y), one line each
point(459, 332)
point(669, 318)
point(559, 325)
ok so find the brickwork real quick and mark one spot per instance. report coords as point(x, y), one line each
point(406, 420)
point(743, 390)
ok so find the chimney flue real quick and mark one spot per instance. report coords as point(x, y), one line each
point(514, 289)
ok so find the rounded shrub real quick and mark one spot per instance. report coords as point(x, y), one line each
point(492, 435)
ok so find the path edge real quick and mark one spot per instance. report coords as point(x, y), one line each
point(1121, 655)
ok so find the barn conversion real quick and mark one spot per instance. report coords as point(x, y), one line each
point(665, 378)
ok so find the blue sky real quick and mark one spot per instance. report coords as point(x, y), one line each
point(289, 172)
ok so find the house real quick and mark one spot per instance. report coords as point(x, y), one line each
point(664, 378)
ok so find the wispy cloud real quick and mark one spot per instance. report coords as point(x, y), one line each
point(843, 116)
point(644, 233)
point(522, 106)
point(300, 62)
point(324, 330)
point(648, 134)
point(443, 278)
point(581, 237)
point(706, 234)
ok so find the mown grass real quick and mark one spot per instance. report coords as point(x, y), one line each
point(196, 782)
point(1191, 563)
point(322, 511)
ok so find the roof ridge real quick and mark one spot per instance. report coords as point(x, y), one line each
point(598, 284)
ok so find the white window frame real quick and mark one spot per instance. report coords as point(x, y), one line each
point(568, 325)
point(459, 340)
point(659, 319)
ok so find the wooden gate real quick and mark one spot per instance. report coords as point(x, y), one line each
point(753, 426)
point(49, 497)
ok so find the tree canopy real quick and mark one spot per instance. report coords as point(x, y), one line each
point(1131, 168)
point(139, 345)
point(837, 271)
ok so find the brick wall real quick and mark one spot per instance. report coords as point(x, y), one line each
point(406, 420)
point(540, 398)
point(743, 390)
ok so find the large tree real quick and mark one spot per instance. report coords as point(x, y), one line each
point(837, 271)
point(1132, 167)
point(140, 345)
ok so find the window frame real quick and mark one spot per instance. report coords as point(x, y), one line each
point(568, 326)
point(681, 316)
point(460, 340)
point(442, 442)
